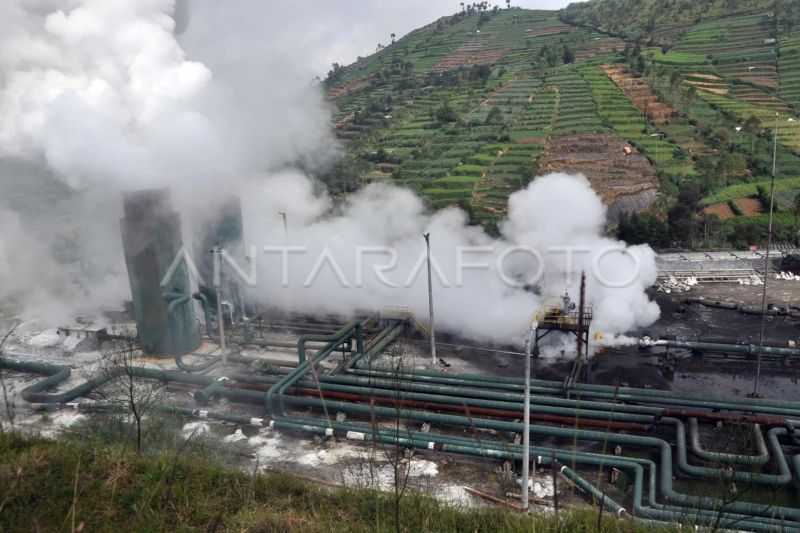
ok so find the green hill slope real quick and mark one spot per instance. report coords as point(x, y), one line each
point(661, 20)
point(646, 98)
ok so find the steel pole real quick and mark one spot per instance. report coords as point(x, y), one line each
point(218, 287)
point(766, 257)
point(430, 299)
point(526, 422)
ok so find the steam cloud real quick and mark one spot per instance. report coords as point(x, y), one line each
point(554, 214)
point(99, 96)
point(102, 96)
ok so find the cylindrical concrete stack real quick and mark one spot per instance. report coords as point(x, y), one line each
point(151, 237)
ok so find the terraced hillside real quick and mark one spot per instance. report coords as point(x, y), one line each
point(741, 48)
point(789, 69)
point(625, 180)
point(470, 108)
point(662, 21)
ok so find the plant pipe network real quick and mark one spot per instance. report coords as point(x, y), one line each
point(443, 389)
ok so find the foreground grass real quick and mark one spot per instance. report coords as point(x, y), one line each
point(68, 486)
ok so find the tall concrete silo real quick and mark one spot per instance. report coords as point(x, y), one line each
point(151, 238)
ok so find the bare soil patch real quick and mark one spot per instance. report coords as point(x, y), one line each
point(640, 94)
point(723, 211)
point(602, 158)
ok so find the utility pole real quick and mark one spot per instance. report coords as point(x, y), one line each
point(755, 393)
point(218, 288)
point(430, 299)
point(526, 420)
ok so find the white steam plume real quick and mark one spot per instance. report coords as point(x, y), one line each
point(565, 213)
point(103, 91)
point(42, 287)
point(104, 95)
point(555, 213)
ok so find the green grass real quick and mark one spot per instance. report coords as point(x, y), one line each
point(53, 486)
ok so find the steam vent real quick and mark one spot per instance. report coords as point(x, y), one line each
point(151, 238)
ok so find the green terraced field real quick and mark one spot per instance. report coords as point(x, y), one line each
point(744, 190)
point(681, 59)
point(630, 123)
point(737, 47)
point(788, 132)
point(463, 109)
point(789, 69)
point(662, 21)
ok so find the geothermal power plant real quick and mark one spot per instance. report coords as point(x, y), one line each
point(602, 419)
point(429, 266)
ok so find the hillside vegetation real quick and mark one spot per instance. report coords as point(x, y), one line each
point(661, 20)
point(657, 102)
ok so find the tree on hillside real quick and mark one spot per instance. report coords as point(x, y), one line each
point(788, 13)
point(675, 80)
point(640, 65)
point(753, 128)
point(679, 154)
point(731, 165)
point(569, 55)
point(753, 125)
point(719, 171)
point(642, 228)
point(707, 168)
point(495, 116)
point(682, 216)
point(721, 138)
point(480, 72)
point(651, 24)
point(445, 113)
point(334, 74)
point(690, 95)
point(345, 175)
point(550, 55)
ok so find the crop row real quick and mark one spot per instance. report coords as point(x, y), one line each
point(630, 123)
